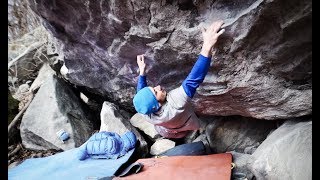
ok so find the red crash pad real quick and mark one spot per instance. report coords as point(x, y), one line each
point(214, 166)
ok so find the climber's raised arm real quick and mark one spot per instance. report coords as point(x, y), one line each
point(142, 81)
point(200, 68)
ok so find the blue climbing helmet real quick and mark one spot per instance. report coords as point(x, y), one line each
point(145, 101)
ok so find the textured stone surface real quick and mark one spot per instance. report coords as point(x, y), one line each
point(44, 72)
point(141, 123)
point(55, 107)
point(238, 134)
point(161, 145)
point(262, 67)
point(285, 154)
point(240, 160)
point(21, 19)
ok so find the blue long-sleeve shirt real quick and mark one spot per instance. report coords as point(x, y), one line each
point(197, 75)
point(193, 80)
point(142, 82)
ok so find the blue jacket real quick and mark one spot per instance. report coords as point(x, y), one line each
point(107, 145)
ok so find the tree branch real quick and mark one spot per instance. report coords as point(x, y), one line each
point(15, 150)
point(29, 49)
point(17, 118)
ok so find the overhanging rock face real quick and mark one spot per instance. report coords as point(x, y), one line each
point(262, 67)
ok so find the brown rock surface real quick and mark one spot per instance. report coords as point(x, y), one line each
point(262, 67)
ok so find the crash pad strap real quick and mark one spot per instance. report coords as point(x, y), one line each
point(215, 166)
point(133, 168)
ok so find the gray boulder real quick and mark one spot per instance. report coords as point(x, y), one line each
point(141, 123)
point(161, 145)
point(116, 120)
point(55, 107)
point(238, 134)
point(241, 169)
point(44, 72)
point(285, 154)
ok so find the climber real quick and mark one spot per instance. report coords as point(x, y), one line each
point(172, 113)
